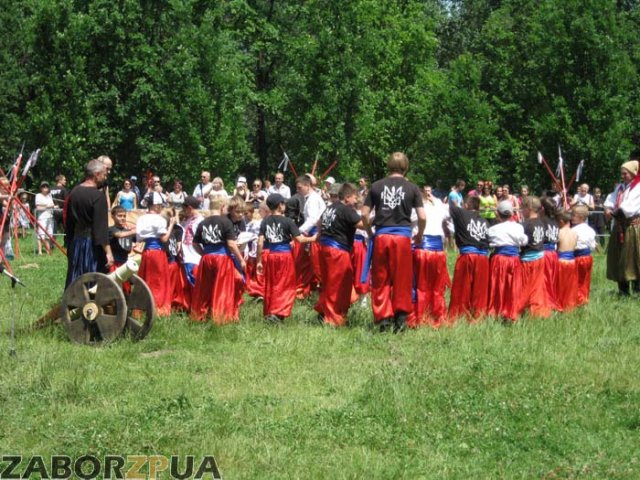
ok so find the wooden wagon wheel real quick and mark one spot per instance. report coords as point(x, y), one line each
point(93, 309)
point(141, 308)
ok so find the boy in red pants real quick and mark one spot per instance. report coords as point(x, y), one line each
point(337, 229)
point(586, 243)
point(274, 260)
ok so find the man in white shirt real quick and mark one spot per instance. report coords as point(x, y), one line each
point(202, 190)
point(279, 186)
point(583, 197)
point(308, 261)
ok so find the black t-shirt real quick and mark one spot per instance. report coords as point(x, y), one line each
point(295, 209)
point(214, 230)
point(239, 226)
point(393, 198)
point(339, 222)
point(278, 229)
point(551, 230)
point(172, 247)
point(59, 195)
point(534, 229)
point(120, 246)
point(470, 228)
point(86, 214)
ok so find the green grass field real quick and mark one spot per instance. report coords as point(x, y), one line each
point(558, 398)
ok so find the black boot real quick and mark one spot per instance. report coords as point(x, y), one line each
point(623, 289)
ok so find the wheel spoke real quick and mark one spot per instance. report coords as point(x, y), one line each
point(108, 326)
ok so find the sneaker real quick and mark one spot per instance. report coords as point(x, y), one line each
point(364, 301)
point(273, 319)
point(385, 325)
point(399, 322)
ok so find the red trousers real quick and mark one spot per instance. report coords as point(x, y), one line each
point(154, 270)
point(551, 278)
point(470, 289)
point(218, 290)
point(391, 276)
point(534, 294)
point(279, 283)
point(181, 298)
point(505, 287)
point(431, 281)
point(303, 269)
point(584, 265)
point(255, 282)
point(567, 281)
point(359, 255)
point(336, 278)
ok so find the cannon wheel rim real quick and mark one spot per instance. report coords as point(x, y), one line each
point(78, 302)
point(141, 308)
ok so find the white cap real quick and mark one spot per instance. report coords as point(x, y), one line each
point(242, 179)
point(330, 180)
point(505, 207)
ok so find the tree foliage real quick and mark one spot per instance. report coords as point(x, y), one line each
point(468, 88)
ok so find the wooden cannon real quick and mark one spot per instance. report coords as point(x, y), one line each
point(97, 308)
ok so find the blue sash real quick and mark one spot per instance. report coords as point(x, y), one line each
point(188, 271)
point(313, 231)
point(470, 249)
point(278, 247)
point(507, 251)
point(550, 247)
point(330, 242)
point(432, 243)
point(532, 256)
point(582, 252)
point(401, 231)
point(152, 244)
point(221, 249)
point(215, 249)
point(358, 238)
point(566, 256)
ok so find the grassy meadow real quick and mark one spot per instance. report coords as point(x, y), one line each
point(558, 398)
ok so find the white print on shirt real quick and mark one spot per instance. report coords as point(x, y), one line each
point(328, 217)
point(173, 246)
point(275, 234)
point(477, 230)
point(211, 234)
point(552, 233)
point(392, 197)
point(125, 243)
point(538, 234)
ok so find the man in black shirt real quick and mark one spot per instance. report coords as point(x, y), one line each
point(86, 224)
point(59, 194)
point(392, 199)
point(470, 288)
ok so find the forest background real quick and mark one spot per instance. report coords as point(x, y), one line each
point(469, 89)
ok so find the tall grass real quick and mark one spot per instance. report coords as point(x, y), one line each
point(558, 398)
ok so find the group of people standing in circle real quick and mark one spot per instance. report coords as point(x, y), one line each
point(386, 248)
